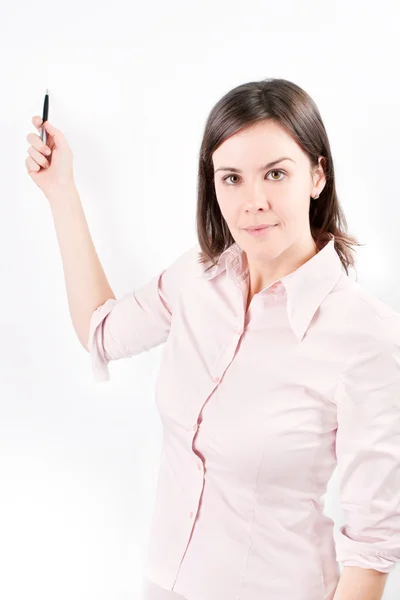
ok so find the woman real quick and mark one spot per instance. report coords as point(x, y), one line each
point(277, 368)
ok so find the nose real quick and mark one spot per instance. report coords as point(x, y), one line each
point(257, 199)
point(257, 204)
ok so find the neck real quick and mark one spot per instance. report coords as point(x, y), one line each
point(262, 275)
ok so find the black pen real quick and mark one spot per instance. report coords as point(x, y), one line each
point(45, 116)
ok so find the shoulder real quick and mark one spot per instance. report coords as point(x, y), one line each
point(367, 310)
point(181, 273)
point(186, 264)
point(370, 328)
point(373, 335)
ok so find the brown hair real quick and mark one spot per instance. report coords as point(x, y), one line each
point(291, 107)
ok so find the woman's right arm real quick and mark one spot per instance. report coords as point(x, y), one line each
point(86, 283)
point(50, 166)
point(107, 328)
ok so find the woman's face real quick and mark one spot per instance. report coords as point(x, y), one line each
point(279, 194)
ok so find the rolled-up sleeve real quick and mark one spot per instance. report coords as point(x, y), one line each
point(368, 452)
point(140, 320)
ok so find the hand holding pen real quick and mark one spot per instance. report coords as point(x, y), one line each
point(50, 158)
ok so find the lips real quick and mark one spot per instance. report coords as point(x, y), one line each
point(257, 227)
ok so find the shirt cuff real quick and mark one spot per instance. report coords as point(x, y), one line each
point(98, 355)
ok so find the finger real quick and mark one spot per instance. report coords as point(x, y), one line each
point(37, 143)
point(54, 134)
point(31, 165)
point(38, 157)
point(37, 121)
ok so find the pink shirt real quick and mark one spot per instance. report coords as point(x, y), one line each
point(257, 409)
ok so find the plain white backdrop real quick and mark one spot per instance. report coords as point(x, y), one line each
point(131, 86)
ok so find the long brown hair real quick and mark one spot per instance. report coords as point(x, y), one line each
point(291, 107)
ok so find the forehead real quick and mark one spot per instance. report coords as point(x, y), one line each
point(263, 142)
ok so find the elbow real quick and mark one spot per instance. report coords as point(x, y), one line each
point(83, 337)
point(84, 344)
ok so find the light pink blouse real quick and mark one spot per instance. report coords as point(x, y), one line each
point(258, 407)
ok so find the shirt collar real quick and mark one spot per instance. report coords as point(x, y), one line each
point(306, 287)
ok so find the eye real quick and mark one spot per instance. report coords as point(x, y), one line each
point(273, 171)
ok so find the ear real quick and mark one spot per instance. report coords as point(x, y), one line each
point(319, 174)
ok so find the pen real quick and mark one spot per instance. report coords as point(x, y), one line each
point(45, 116)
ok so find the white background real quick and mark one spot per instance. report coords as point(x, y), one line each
point(131, 86)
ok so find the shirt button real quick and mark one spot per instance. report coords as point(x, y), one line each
point(215, 379)
point(199, 466)
point(190, 514)
point(195, 427)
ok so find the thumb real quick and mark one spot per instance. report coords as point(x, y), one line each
point(55, 133)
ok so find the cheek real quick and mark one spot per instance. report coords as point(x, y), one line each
point(226, 207)
point(292, 209)
point(229, 212)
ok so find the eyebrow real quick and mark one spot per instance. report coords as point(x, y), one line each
point(267, 166)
